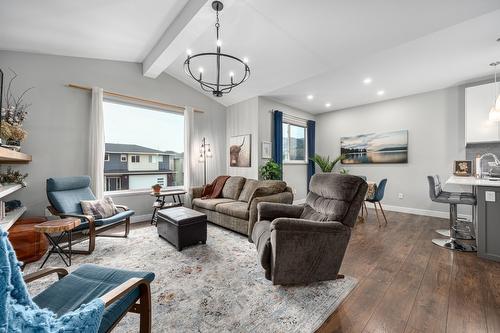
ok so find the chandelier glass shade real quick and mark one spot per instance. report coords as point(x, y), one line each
point(494, 114)
point(223, 79)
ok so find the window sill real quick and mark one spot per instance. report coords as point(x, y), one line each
point(295, 163)
point(129, 193)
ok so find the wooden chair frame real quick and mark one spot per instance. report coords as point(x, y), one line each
point(141, 305)
point(93, 231)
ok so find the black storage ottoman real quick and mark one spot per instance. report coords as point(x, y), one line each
point(182, 226)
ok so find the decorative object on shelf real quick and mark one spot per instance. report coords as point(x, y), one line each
point(156, 188)
point(240, 151)
point(463, 168)
point(270, 171)
point(205, 152)
point(324, 163)
point(386, 147)
point(12, 116)
point(12, 204)
point(266, 149)
point(12, 177)
point(216, 85)
point(494, 114)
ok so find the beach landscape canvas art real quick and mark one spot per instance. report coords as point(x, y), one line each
point(387, 147)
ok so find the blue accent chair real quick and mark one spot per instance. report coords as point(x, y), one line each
point(64, 195)
point(377, 198)
point(121, 292)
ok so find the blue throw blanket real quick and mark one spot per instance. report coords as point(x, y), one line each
point(18, 313)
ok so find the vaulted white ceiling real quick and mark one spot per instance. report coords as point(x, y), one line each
point(320, 47)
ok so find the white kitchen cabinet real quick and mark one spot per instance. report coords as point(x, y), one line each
point(478, 102)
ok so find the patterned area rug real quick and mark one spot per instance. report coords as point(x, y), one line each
point(217, 287)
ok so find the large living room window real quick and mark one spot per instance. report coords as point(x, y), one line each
point(144, 146)
point(294, 143)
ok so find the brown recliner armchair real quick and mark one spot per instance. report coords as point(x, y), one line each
point(303, 244)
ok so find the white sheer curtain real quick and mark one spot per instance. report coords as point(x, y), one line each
point(96, 143)
point(188, 141)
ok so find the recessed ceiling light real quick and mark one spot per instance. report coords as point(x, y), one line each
point(310, 97)
point(380, 92)
point(368, 80)
point(328, 105)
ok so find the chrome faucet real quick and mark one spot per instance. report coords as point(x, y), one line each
point(497, 162)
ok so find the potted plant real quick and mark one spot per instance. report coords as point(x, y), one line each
point(156, 188)
point(12, 117)
point(270, 171)
point(324, 163)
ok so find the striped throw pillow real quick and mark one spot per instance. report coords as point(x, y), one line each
point(100, 209)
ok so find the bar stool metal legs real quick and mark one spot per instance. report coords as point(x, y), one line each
point(452, 243)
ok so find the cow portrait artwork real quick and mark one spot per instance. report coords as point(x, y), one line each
point(239, 151)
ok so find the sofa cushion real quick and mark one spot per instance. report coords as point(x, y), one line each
point(267, 187)
point(86, 283)
point(248, 188)
point(237, 209)
point(233, 187)
point(210, 203)
point(100, 209)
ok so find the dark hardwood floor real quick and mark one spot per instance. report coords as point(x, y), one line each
point(407, 284)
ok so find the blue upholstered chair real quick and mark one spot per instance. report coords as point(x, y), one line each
point(377, 198)
point(65, 194)
point(121, 292)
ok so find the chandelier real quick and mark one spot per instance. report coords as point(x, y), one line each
point(217, 85)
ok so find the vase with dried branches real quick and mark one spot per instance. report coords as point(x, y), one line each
point(13, 114)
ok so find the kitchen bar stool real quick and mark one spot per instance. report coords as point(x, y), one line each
point(456, 231)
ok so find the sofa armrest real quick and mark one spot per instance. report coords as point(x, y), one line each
point(271, 210)
point(283, 197)
point(125, 208)
point(196, 192)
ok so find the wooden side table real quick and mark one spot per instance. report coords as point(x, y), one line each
point(59, 228)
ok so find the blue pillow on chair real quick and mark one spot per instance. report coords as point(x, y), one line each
point(18, 313)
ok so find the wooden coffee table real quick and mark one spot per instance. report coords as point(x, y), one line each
point(55, 231)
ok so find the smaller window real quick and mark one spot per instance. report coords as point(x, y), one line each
point(123, 158)
point(160, 181)
point(150, 158)
point(106, 157)
point(160, 158)
point(136, 159)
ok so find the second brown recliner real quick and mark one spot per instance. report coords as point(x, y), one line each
point(304, 244)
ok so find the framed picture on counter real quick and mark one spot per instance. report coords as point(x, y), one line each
point(462, 168)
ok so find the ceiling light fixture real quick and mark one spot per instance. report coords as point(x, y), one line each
point(494, 114)
point(367, 81)
point(328, 105)
point(380, 92)
point(310, 97)
point(217, 86)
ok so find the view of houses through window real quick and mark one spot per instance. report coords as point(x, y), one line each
point(144, 147)
point(294, 143)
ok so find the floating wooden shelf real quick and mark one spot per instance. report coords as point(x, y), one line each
point(10, 156)
point(11, 217)
point(8, 189)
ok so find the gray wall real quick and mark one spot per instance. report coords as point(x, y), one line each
point(58, 118)
point(435, 123)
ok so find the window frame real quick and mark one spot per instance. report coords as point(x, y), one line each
point(122, 156)
point(106, 157)
point(135, 158)
point(296, 124)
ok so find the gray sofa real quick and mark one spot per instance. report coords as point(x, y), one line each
point(236, 209)
point(303, 244)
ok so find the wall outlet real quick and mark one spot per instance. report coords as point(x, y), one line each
point(401, 195)
point(489, 196)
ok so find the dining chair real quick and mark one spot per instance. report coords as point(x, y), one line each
point(377, 198)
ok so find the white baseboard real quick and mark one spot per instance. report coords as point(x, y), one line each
point(140, 218)
point(424, 212)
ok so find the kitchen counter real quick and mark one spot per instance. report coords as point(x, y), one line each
point(472, 181)
point(486, 214)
